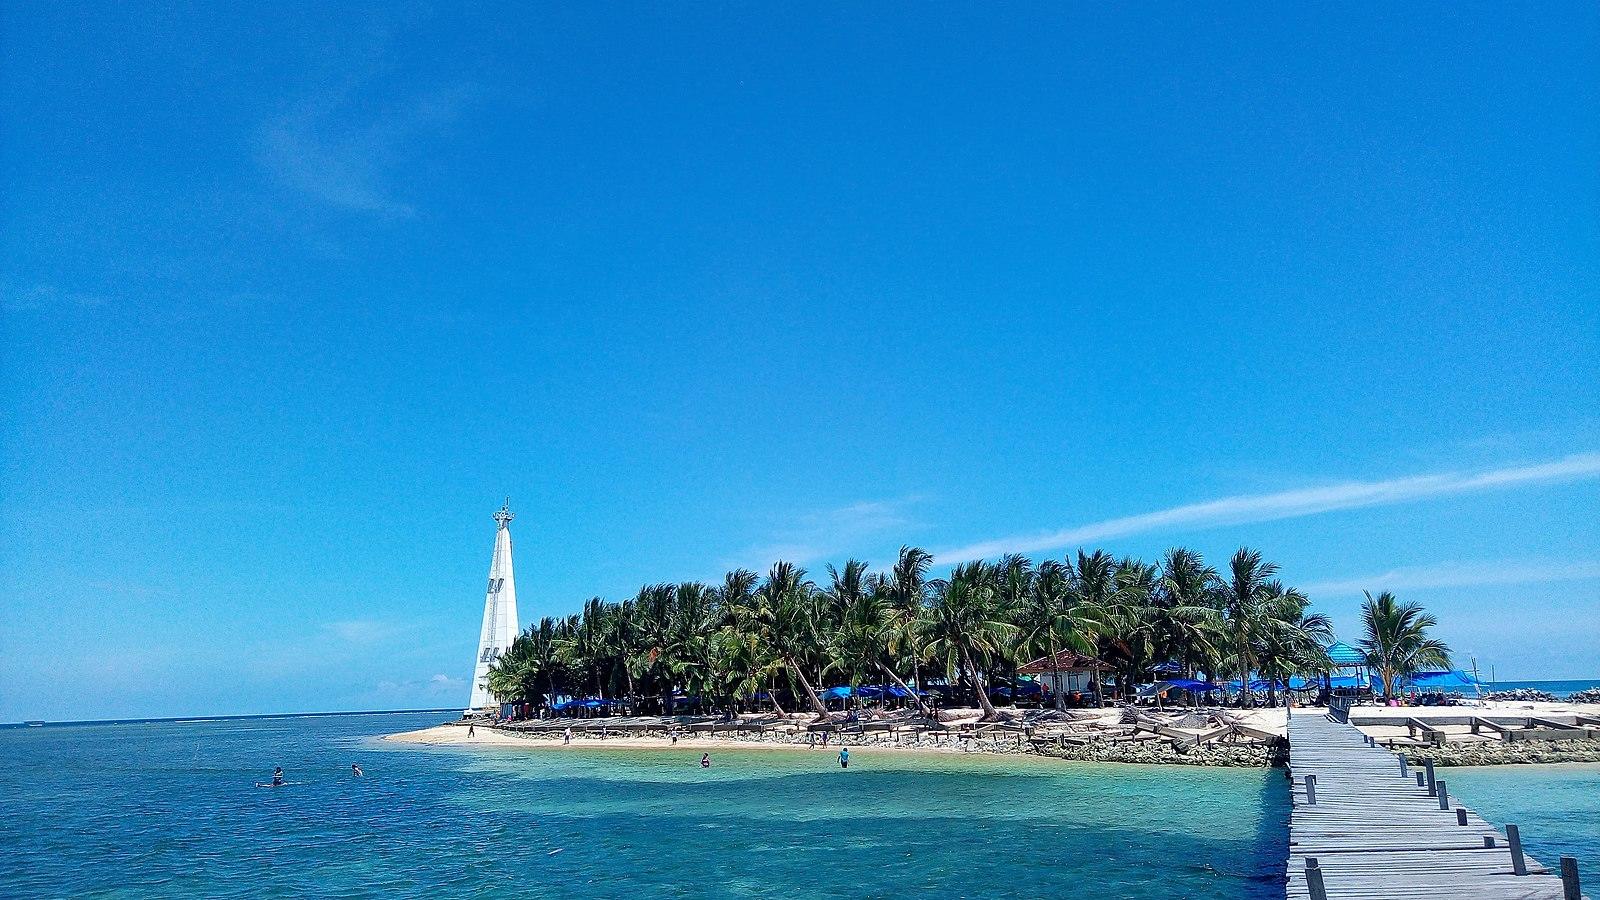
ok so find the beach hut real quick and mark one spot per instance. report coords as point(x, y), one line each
point(1067, 673)
point(1349, 671)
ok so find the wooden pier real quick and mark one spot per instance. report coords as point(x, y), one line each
point(1364, 827)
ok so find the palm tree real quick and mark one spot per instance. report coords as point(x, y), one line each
point(782, 618)
point(869, 632)
point(964, 626)
point(1052, 620)
point(1397, 642)
point(1245, 597)
point(907, 587)
point(1184, 613)
point(1293, 642)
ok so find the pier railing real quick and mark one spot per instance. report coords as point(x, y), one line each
point(1365, 826)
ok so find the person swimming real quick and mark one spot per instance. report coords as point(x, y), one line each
point(277, 776)
point(355, 770)
point(844, 757)
point(705, 760)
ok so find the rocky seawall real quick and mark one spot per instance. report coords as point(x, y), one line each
point(1149, 752)
point(1165, 753)
point(1506, 754)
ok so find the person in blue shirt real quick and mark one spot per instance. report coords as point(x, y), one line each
point(844, 757)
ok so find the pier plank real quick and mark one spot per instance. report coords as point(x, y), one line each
point(1376, 833)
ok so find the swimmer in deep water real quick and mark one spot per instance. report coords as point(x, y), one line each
point(277, 776)
point(844, 757)
point(355, 770)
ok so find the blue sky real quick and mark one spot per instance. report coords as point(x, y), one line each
point(292, 300)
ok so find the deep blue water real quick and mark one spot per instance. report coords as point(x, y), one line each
point(171, 809)
point(1559, 688)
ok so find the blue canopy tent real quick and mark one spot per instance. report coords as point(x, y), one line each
point(838, 692)
point(1450, 680)
point(1191, 684)
point(895, 690)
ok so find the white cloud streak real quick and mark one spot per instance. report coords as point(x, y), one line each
point(1289, 505)
point(1459, 574)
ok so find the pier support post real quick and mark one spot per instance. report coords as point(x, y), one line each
point(1319, 891)
point(1311, 790)
point(1427, 766)
point(1444, 796)
point(1419, 779)
point(1488, 842)
point(1519, 865)
point(1402, 758)
point(1569, 879)
point(1461, 815)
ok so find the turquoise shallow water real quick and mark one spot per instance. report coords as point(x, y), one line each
point(170, 809)
point(1556, 807)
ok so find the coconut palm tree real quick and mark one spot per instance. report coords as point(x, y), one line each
point(1397, 642)
point(782, 617)
point(963, 626)
point(1052, 620)
point(1293, 642)
point(1246, 597)
point(869, 632)
point(907, 587)
point(1184, 615)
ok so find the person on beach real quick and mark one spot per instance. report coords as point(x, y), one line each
point(705, 760)
point(277, 776)
point(567, 738)
point(355, 770)
point(472, 730)
point(844, 757)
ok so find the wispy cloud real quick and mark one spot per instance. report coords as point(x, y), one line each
point(364, 631)
point(1290, 504)
point(820, 534)
point(333, 153)
point(1459, 574)
point(439, 685)
point(19, 297)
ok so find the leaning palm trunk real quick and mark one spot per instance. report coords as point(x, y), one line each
point(990, 714)
point(1055, 666)
point(817, 706)
point(915, 697)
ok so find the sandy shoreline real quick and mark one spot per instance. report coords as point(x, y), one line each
point(454, 735)
point(1461, 749)
point(457, 735)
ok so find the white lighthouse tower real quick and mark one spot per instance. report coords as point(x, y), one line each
point(499, 612)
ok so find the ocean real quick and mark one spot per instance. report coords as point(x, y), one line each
point(1560, 688)
point(171, 809)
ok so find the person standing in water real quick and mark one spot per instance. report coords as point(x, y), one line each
point(705, 760)
point(277, 776)
point(844, 757)
point(355, 770)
